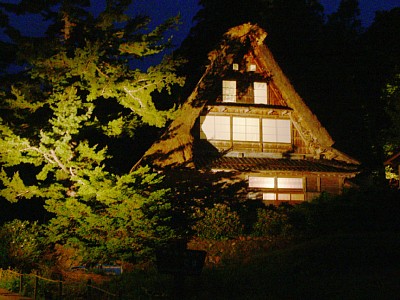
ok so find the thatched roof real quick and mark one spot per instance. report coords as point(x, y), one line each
point(175, 147)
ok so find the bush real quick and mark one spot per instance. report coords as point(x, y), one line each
point(271, 222)
point(9, 280)
point(20, 245)
point(356, 210)
point(218, 223)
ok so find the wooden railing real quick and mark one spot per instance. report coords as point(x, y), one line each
point(90, 291)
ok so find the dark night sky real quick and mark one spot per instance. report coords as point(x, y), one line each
point(367, 7)
point(160, 10)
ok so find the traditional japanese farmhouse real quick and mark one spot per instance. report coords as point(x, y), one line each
point(245, 117)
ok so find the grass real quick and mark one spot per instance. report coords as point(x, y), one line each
point(341, 266)
point(353, 266)
point(347, 266)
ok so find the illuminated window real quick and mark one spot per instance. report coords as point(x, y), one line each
point(297, 197)
point(215, 127)
point(262, 182)
point(269, 196)
point(279, 188)
point(295, 183)
point(252, 67)
point(246, 129)
point(283, 197)
point(290, 183)
point(260, 93)
point(276, 131)
point(228, 91)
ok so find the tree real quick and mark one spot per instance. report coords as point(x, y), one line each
point(80, 94)
point(391, 102)
point(379, 63)
point(337, 84)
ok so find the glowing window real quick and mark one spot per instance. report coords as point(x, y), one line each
point(290, 183)
point(246, 129)
point(269, 196)
point(260, 93)
point(215, 127)
point(279, 188)
point(228, 91)
point(297, 197)
point(262, 182)
point(276, 131)
point(284, 197)
point(280, 182)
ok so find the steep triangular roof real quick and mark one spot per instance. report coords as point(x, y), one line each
point(175, 147)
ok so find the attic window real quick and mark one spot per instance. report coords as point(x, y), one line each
point(260, 93)
point(235, 67)
point(228, 91)
point(252, 67)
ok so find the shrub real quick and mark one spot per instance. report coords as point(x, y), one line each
point(271, 222)
point(20, 244)
point(9, 280)
point(218, 223)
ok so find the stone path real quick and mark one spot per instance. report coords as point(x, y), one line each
point(6, 295)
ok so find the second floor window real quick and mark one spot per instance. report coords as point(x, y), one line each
point(214, 127)
point(246, 129)
point(276, 131)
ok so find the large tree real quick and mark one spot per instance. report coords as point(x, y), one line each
point(79, 95)
point(391, 103)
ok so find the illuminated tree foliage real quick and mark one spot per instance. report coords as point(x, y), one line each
point(80, 94)
point(391, 98)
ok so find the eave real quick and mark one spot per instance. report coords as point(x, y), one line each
point(273, 165)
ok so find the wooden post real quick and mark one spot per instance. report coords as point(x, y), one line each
point(35, 289)
point(89, 289)
point(60, 287)
point(20, 283)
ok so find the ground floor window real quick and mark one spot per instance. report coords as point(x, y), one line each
point(279, 188)
point(283, 196)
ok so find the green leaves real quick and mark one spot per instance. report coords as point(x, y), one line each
point(21, 243)
point(15, 189)
point(81, 93)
